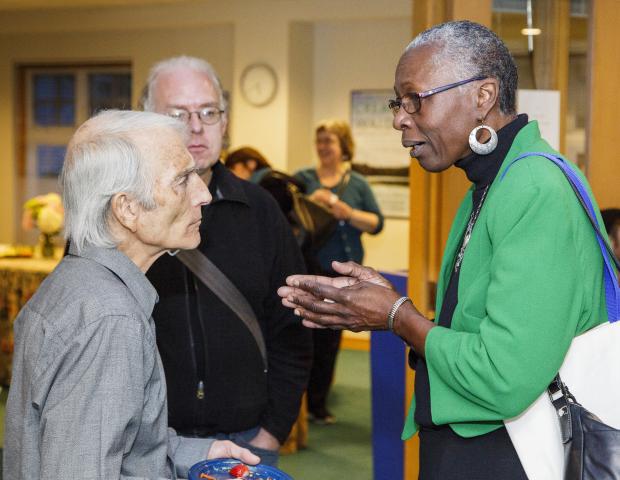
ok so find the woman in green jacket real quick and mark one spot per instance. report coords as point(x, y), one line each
point(521, 274)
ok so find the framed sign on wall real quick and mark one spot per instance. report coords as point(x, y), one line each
point(379, 154)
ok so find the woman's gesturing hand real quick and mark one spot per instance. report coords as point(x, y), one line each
point(357, 301)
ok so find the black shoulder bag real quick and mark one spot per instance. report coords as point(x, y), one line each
point(312, 223)
point(316, 224)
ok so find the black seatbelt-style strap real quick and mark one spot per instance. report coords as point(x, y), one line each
point(216, 281)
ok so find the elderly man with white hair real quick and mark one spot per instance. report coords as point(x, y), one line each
point(88, 394)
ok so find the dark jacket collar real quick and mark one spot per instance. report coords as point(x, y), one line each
point(482, 169)
point(127, 271)
point(225, 186)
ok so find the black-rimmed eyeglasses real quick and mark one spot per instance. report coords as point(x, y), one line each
point(207, 115)
point(412, 101)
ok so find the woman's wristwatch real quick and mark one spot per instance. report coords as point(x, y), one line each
point(333, 199)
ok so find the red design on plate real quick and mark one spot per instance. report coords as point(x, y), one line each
point(239, 471)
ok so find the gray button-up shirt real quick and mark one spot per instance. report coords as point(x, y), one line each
point(88, 394)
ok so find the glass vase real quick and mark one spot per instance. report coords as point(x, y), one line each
point(47, 245)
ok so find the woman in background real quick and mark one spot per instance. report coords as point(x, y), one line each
point(247, 163)
point(349, 198)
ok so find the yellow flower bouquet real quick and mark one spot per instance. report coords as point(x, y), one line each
point(45, 212)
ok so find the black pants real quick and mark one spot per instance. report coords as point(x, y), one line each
point(326, 345)
point(446, 456)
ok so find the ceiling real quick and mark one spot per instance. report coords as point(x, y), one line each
point(12, 5)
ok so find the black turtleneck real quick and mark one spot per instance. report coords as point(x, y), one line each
point(481, 170)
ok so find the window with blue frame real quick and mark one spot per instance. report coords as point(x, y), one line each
point(50, 159)
point(109, 90)
point(54, 99)
point(61, 100)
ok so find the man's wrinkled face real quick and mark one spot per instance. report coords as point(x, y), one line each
point(192, 91)
point(179, 194)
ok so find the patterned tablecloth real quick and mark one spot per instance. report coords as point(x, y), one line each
point(19, 279)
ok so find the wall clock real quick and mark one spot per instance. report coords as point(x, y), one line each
point(259, 84)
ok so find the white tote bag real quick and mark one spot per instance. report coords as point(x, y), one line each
point(591, 369)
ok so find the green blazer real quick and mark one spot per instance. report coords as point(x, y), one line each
point(531, 280)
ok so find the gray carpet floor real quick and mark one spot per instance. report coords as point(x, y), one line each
point(342, 450)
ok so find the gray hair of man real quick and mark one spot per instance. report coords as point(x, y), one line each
point(470, 50)
point(176, 63)
point(104, 158)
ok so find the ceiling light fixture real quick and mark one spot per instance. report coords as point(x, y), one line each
point(531, 31)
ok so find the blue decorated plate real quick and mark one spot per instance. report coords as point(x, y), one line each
point(219, 470)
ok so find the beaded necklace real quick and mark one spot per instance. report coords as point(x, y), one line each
point(470, 226)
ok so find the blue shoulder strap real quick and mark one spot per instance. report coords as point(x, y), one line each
point(612, 290)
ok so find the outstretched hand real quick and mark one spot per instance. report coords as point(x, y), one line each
point(357, 301)
point(352, 273)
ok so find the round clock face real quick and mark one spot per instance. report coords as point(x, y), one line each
point(259, 84)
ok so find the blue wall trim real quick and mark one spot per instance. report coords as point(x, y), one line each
point(387, 365)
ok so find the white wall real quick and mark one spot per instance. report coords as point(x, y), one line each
point(301, 95)
point(353, 55)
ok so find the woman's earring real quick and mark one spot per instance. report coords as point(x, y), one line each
point(482, 148)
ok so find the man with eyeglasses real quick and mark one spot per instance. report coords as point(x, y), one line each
point(218, 386)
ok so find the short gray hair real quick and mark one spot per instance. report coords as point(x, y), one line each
point(471, 50)
point(170, 64)
point(104, 158)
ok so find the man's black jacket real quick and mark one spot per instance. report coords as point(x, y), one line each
point(214, 370)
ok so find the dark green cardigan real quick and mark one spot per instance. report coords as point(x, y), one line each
point(530, 281)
